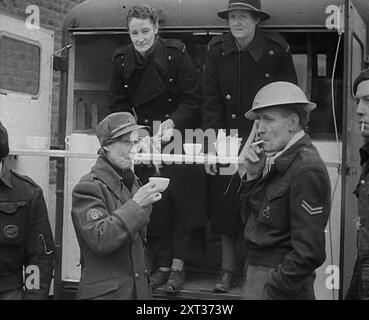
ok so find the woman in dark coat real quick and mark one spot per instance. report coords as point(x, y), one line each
point(156, 80)
point(238, 65)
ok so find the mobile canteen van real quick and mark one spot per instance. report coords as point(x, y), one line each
point(328, 40)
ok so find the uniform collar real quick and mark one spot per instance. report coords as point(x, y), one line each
point(159, 57)
point(284, 160)
point(256, 46)
point(5, 176)
point(364, 153)
point(106, 173)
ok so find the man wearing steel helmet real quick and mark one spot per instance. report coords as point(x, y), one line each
point(285, 197)
point(359, 288)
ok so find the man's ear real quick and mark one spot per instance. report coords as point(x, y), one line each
point(294, 122)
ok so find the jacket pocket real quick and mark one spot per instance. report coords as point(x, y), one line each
point(98, 289)
point(277, 191)
point(276, 204)
point(11, 222)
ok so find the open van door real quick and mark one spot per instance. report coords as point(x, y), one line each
point(26, 96)
point(355, 53)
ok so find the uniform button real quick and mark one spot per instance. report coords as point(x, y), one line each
point(267, 75)
point(170, 79)
point(362, 182)
point(169, 100)
point(146, 121)
point(167, 116)
point(126, 86)
point(122, 64)
point(228, 97)
point(266, 212)
point(137, 275)
point(146, 271)
point(271, 52)
point(234, 116)
point(145, 240)
point(169, 58)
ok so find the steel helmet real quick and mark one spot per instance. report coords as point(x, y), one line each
point(278, 94)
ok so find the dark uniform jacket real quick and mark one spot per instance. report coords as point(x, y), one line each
point(286, 214)
point(359, 288)
point(233, 77)
point(165, 87)
point(111, 230)
point(230, 82)
point(168, 87)
point(26, 239)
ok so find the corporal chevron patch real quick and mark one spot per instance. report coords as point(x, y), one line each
point(311, 210)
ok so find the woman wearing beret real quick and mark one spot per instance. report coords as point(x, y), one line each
point(237, 66)
point(156, 80)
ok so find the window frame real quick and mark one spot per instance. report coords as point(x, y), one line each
point(30, 42)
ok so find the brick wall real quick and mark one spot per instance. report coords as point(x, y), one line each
point(52, 14)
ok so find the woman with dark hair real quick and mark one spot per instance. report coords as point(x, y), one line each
point(156, 80)
point(238, 64)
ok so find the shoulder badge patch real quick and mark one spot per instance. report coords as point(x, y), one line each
point(94, 214)
point(311, 210)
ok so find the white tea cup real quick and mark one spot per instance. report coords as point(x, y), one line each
point(192, 148)
point(162, 183)
point(227, 149)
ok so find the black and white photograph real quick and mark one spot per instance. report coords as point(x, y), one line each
point(203, 151)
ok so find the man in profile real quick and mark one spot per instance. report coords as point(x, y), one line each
point(359, 288)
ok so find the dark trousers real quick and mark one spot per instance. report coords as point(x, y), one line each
point(178, 216)
point(359, 287)
point(163, 249)
point(16, 294)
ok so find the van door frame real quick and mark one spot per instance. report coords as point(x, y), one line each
point(355, 28)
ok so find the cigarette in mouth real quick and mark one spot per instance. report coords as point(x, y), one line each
point(362, 126)
point(257, 143)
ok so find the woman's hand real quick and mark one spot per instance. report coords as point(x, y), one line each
point(211, 167)
point(147, 195)
point(166, 130)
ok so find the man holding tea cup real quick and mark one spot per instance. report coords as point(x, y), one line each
point(285, 198)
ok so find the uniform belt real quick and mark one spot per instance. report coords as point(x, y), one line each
point(10, 281)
